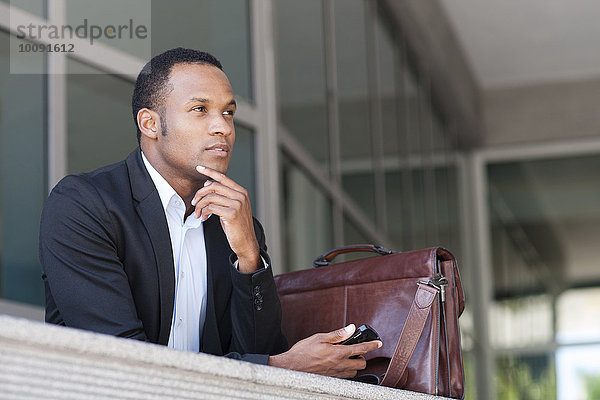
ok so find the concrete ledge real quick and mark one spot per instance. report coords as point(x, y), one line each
point(39, 361)
point(21, 310)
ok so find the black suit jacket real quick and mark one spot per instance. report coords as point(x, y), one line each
point(106, 255)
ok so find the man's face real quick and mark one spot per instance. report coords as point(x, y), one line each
point(199, 119)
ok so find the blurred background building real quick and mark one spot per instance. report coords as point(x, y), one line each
point(408, 123)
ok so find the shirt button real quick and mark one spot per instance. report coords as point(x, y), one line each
point(182, 274)
point(179, 321)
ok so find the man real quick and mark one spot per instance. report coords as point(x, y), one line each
point(163, 247)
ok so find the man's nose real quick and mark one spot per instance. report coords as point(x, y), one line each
point(220, 125)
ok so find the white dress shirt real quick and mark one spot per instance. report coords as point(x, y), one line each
point(189, 257)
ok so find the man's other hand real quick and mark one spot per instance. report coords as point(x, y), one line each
point(318, 354)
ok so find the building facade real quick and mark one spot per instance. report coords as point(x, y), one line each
point(358, 122)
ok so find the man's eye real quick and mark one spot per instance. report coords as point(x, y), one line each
point(229, 112)
point(199, 108)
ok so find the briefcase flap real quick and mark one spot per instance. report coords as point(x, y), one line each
point(398, 265)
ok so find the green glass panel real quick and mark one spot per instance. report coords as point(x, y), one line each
point(100, 125)
point(242, 167)
point(223, 28)
point(302, 91)
point(353, 102)
point(22, 180)
point(307, 218)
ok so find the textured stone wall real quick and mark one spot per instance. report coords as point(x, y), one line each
point(39, 361)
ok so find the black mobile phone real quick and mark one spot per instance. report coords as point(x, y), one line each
point(363, 333)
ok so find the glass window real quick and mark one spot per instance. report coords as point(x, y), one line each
point(571, 328)
point(394, 203)
point(242, 167)
point(354, 235)
point(122, 25)
point(358, 185)
point(389, 65)
point(526, 377)
point(418, 212)
point(521, 321)
point(408, 228)
point(545, 217)
point(302, 91)
point(446, 202)
point(440, 142)
point(545, 222)
point(412, 189)
point(353, 100)
point(445, 186)
point(578, 372)
point(426, 155)
point(307, 218)
point(391, 115)
point(219, 27)
point(22, 179)
point(35, 7)
point(100, 125)
point(411, 144)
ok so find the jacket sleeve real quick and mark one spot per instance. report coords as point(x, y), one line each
point(256, 311)
point(86, 285)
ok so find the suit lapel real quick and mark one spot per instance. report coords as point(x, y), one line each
point(152, 214)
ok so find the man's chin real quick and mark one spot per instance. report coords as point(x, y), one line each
point(219, 167)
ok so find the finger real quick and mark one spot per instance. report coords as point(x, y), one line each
point(215, 198)
point(232, 205)
point(216, 187)
point(338, 335)
point(217, 176)
point(223, 212)
point(222, 206)
point(350, 366)
point(359, 363)
point(363, 348)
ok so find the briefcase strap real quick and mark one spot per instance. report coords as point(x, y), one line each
point(411, 332)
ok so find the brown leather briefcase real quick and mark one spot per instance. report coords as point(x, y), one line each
point(412, 299)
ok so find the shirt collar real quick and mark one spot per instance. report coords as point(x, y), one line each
point(165, 191)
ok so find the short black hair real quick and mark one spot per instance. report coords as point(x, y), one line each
point(151, 85)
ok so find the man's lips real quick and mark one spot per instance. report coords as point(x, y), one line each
point(221, 149)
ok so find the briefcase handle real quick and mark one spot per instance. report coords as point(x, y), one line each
point(326, 258)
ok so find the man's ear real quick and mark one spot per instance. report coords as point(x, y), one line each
point(149, 123)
